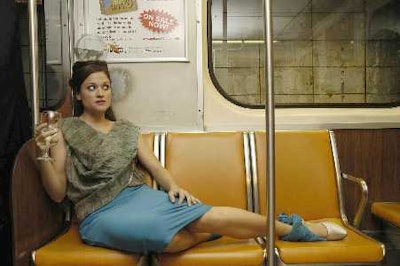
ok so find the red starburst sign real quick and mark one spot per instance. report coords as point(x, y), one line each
point(158, 20)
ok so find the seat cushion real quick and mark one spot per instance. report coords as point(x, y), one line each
point(212, 166)
point(305, 174)
point(224, 251)
point(388, 211)
point(355, 248)
point(68, 249)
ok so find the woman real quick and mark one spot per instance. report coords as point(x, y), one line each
point(95, 166)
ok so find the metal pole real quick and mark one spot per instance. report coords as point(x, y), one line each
point(71, 33)
point(34, 61)
point(225, 21)
point(270, 129)
point(71, 42)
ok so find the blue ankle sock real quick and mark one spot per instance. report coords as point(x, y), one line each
point(300, 233)
point(293, 218)
point(284, 218)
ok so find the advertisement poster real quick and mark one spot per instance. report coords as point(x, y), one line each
point(132, 30)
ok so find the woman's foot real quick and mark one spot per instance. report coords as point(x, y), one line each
point(317, 229)
point(308, 231)
point(334, 231)
point(302, 233)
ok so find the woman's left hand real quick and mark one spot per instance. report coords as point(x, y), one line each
point(181, 194)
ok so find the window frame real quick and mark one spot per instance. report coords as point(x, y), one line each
point(222, 91)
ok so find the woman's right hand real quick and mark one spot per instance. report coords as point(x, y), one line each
point(45, 138)
point(52, 167)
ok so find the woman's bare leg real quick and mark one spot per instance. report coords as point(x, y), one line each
point(239, 223)
point(231, 222)
point(184, 240)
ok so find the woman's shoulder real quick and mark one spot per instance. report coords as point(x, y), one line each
point(67, 121)
point(127, 125)
point(126, 122)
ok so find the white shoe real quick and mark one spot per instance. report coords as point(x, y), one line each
point(335, 231)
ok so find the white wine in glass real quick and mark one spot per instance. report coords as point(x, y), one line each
point(50, 118)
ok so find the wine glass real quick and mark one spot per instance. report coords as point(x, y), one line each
point(50, 118)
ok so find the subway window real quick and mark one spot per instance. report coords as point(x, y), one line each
point(327, 53)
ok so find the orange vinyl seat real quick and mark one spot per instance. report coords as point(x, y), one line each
point(308, 182)
point(212, 166)
point(41, 234)
point(387, 211)
point(68, 249)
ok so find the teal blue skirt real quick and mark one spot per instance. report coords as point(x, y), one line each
point(140, 220)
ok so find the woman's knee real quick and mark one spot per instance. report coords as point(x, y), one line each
point(209, 222)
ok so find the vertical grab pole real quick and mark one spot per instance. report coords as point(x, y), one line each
point(270, 128)
point(71, 33)
point(34, 61)
point(71, 42)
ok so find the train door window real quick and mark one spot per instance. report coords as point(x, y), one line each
point(326, 52)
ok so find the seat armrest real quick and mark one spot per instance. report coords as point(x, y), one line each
point(36, 219)
point(362, 204)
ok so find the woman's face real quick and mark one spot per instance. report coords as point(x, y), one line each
point(95, 93)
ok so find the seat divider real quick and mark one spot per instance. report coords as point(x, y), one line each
point(247, 163)
point(254, 171)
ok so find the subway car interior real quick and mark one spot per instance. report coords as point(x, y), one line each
point(269, 106)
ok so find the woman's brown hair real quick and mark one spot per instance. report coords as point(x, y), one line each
point(80, 71)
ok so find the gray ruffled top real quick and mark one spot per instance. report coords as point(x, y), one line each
point(99, 165)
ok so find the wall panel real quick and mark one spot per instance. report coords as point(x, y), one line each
point(374, 155)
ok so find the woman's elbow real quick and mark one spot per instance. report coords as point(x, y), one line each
point(56, 194)
point(58, 198)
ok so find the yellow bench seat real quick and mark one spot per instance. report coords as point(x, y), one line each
point(69, 250)
point(309, 183)
point(388, 211)
point(355, 248)
point(225, 251)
